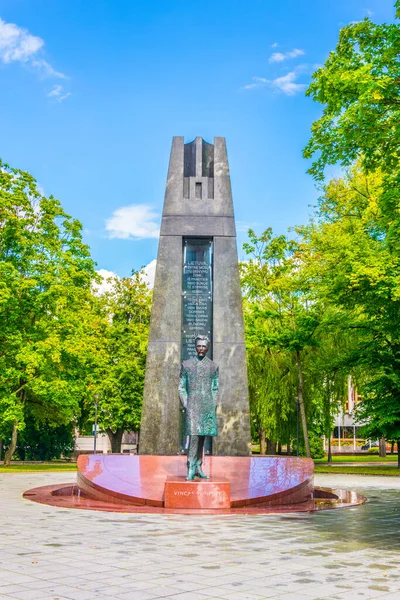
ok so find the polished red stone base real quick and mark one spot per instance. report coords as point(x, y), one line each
point(259, 484)
point(68, 495)
point(140, 480)
point(205, 493)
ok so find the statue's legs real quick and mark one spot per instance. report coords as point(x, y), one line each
point(199, 458)
point(195, 457)
point(194, 444)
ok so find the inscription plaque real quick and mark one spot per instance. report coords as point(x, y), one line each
point(197, 293)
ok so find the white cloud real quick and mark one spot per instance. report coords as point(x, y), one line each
point(18, 45)
point(40, 189)
point(58, 94)
point(244, 226)
point(258, 82)
point(46, 69)
point(250, 86)
point(107, 282)
point(135, 221)
point(56, 91)
point(278, 57)
point(274, 45)
point(287, 85)
point(149, 273)
point(108, 279)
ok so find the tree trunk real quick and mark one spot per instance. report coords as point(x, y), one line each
point(398, 454)
point(115, 440)
point(271, 446)
point(13, 444)
point(1, 449)
point(263, 446)
point(382, 447)
point(300, 398)
point(288, 450)
point(391, 447)
point(138, 442)
point(330, 448)
point(279, 448)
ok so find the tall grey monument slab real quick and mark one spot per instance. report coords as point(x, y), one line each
point(196, 291)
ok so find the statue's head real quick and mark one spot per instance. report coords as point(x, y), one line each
point(202, 344)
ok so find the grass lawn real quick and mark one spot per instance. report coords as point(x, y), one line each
point(32, 468)
point(361, 458)
point(342, 470)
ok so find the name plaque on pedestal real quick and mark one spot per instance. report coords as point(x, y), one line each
point(200, 494)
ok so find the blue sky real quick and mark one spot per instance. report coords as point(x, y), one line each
point(92, 93)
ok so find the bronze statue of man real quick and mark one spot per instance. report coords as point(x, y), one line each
point(198, 392)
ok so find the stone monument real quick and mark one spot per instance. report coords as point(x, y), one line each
point(197, 299)
point(196, 292)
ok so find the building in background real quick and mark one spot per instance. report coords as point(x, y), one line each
point(84, 444)
point(345, 436)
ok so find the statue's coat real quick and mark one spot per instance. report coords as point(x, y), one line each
point(198, 392)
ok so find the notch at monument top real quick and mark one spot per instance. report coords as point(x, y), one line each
point(198, 159)
point(198, 171)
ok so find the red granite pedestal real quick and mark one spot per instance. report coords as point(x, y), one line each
point(140, 480)
point(201, 493)
point(237, 485)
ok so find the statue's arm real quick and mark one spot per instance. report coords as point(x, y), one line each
point(182, 389)
point(215, 387)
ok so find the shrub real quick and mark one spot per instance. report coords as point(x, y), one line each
point(42, 442)
point(374, 450)
point(316, 446)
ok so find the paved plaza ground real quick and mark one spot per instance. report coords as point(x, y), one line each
point(50, 553)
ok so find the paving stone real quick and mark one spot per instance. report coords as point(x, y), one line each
point(28, 595)
point(137, 595)
point(51, 553)
point(10, 589)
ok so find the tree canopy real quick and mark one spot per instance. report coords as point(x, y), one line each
point(357, 236)
point(359, 276)
point(359, 88)
point(117, 349)
point(45, 277)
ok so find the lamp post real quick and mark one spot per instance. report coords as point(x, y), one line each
point(96, 401)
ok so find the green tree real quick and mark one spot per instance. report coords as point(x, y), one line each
point(359, 88)
point(328, 371)
point(118, 347)
point(279, 292)
point(272, 381)
point(358, 274)
point(45, 278)
point(360, 128)
point(39, 441)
